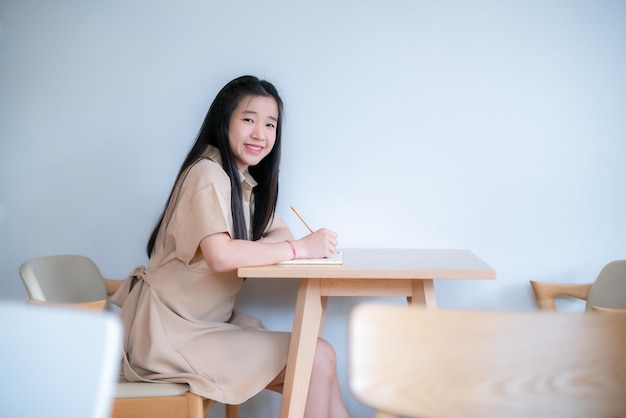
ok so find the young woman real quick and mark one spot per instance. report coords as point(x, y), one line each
point(178, 313)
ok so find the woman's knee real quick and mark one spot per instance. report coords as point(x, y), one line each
point(325, 357)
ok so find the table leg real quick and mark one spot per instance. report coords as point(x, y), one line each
point(309, 312)
point(423, 294)
point(324, 300)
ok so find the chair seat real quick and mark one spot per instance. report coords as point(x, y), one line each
point(126, 389)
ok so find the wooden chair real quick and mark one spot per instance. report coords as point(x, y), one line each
point(608, 291)
point(56, 362)
point(73, 280)
point(610, 311)
point(440, 363)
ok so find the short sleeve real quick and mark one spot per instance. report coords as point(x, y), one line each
point(203, 209)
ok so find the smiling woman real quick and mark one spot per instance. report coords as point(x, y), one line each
point(180, 310)
point(252, 130)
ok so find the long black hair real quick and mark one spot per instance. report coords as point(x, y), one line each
point(214, 131)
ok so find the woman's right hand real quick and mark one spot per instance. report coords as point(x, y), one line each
point(319, 244)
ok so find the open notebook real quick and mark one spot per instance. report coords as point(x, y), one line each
point(337, 258)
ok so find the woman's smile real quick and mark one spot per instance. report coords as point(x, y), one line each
point(252, 130)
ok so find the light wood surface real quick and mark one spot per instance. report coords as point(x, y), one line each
point(407, 273)
point(385, 263)
point(610, 311)
point(97, 305)
point(188, 405)
point(420, 363)
point(546, 292)
point(112, 285)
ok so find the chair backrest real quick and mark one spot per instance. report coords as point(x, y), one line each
point(63, 279)
point(609, 289)
point(416, 363)
point(57, 362)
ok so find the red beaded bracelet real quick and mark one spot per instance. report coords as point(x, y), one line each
point(293, 249)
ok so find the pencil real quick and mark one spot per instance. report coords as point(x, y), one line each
point(301, 218)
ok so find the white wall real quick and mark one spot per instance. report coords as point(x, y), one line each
point(493, 126)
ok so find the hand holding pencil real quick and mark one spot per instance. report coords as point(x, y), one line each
point(318, 244)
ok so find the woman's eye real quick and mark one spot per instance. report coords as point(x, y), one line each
point(270, 125)
point(248, 120)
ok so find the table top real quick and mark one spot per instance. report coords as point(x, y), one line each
point(385, 264)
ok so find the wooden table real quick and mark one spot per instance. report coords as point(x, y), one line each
point(364, 272)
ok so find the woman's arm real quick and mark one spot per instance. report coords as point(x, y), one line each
point(279, 232)
point(222, 253)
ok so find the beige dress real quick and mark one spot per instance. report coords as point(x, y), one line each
point(178, 315)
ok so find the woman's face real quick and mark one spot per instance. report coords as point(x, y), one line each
point(252, 130)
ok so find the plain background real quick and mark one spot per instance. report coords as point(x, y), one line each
point(496, 126)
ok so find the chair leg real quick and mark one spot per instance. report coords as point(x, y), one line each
point(232, 411)
point(206, 405)
point(194, 405)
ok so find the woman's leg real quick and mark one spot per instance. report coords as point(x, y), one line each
point(324, 397)
point(337, 407)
